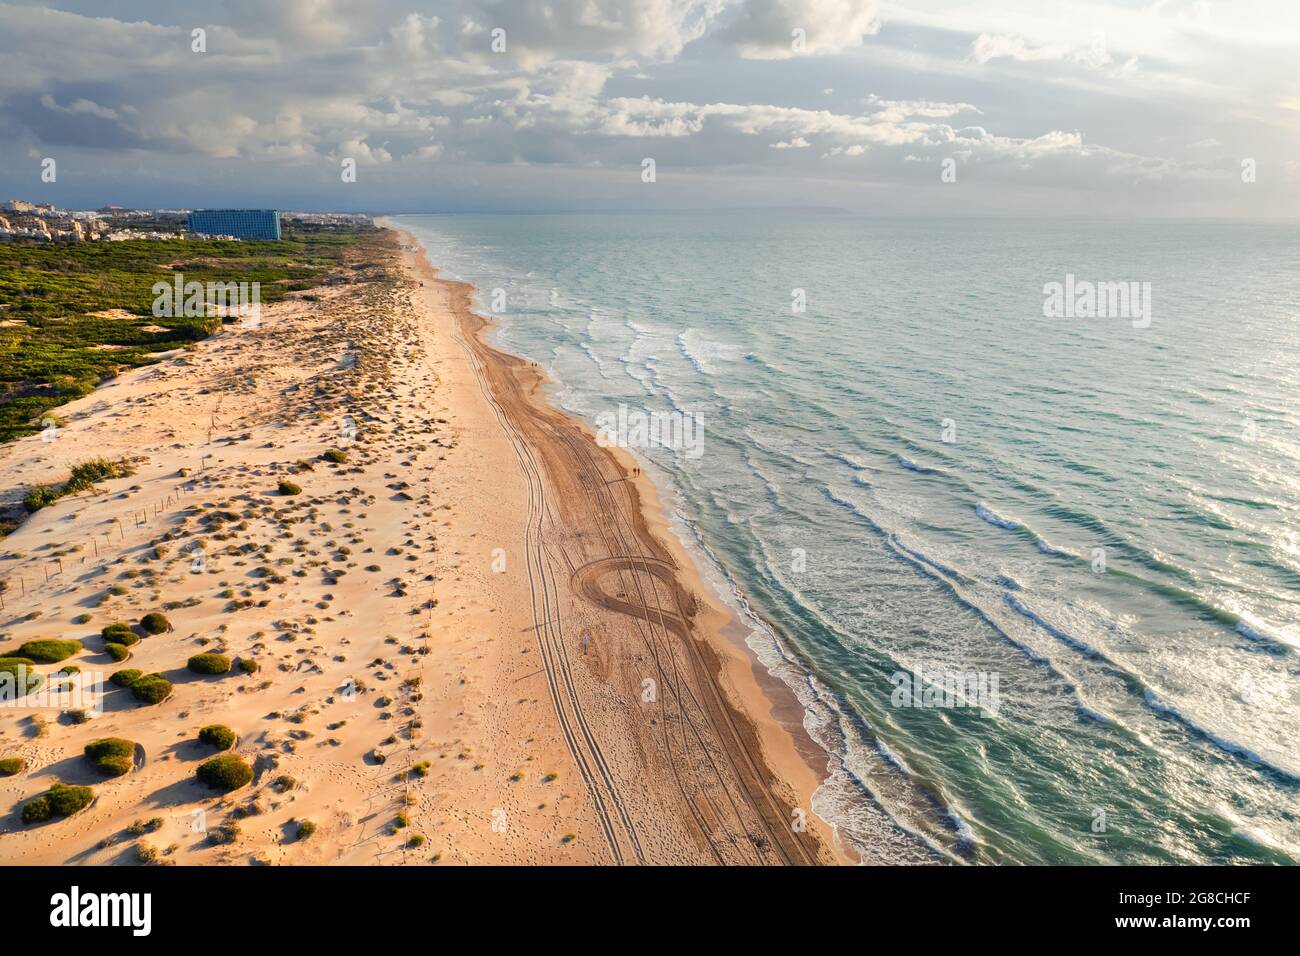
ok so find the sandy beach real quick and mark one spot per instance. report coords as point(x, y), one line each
point(476, 639)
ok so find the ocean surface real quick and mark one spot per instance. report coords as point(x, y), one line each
point(1089, 526)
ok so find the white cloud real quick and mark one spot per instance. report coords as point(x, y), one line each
point(780, 29)
point(312, 81)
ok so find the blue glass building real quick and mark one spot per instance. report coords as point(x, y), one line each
point(240, 223)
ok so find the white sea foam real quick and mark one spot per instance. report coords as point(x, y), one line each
point(993, 518)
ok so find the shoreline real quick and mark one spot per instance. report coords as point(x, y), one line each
point(756, 697)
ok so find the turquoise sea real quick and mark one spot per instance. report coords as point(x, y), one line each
point(921, 473)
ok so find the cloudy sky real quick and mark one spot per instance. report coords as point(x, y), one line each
point(1041, 107)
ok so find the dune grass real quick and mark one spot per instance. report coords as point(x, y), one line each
point(48, 357)
point(48, 650)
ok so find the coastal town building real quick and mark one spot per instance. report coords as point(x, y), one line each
point(239, 223)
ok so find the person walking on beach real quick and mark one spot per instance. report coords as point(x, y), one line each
point(585, 641)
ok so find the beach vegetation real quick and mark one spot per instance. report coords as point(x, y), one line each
point(112, 756)
point(155, 623)
point(151, 688)
point(9, 766)
point(225, 773)
point(70, 297)
point(49, 650)
point(118, 652)
point(218, 735)
point(62, 800)
point(114, 631)
point(126, 677)
point(18, 673)
point(83, 478)
point(209, 664)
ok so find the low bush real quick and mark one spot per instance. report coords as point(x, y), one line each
point(87, 473)
point(223, 834)
point(60, 800)
point(17, 673)
point(227, 772)
point(305, 829)
point(49, 650)
point(335, 455)
point(209, 663)
point(37, 810)
point(248, 665)
point(127, 677)
point(12, 765)
point(152, 688)
point(289, 488)
point(40, 496)
point(83, 478)
point(155, 623)
point(216, 735)
point(112, 756)
point(118, 652)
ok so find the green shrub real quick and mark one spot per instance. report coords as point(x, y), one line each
point(305, 829)
point(119, 633)
point(217, 735)
point(61, 799)
point(227, 772)
point(115, 766)
point(37, 810)
point(67, 800)
point(112, 756)
point(416, 840)
point(336, 456)
point(87, 473)
point(118, 652)
point(49, 650)
point(155, 623)
point(209, 663)
point(289, 488)
point(17, 673)
point(40, 496)
point(83, 478)
point(12, 765)
point(127, 677)
point(152, 688)
point(248, 665)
